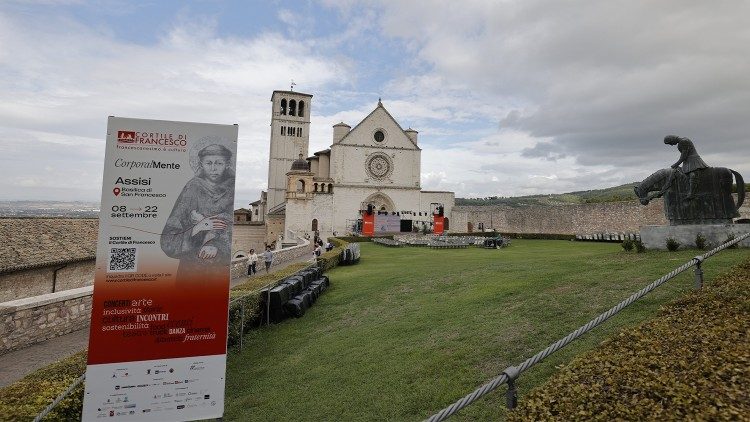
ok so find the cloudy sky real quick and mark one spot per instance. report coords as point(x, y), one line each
point(509, 97)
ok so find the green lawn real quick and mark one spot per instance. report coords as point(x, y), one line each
point(410, 330)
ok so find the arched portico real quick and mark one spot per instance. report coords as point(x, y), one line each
point(380, 201)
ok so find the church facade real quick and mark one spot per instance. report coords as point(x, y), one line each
point(376, 164)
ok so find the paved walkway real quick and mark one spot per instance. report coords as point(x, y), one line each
point(17, 364)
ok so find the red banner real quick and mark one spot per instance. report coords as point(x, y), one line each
point(368, 224)
point(438, 222)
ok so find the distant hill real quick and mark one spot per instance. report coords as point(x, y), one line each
point(614, 194)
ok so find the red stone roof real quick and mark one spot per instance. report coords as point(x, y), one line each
point(39, 242)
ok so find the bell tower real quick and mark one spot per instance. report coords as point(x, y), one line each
point(290, 137)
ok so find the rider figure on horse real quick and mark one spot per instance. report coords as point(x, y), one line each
point(692, 163)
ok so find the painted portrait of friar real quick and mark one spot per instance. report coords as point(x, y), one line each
point(198, 231)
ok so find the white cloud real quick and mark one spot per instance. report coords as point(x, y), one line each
point(59, 80)
point(592, 84)
point(509, 97)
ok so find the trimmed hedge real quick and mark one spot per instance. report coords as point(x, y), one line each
point(539, 236)
point(330, 259)
point(690, 363)
point(542, 236)
point(475, 234)
point(351, 239)
point(24, 399)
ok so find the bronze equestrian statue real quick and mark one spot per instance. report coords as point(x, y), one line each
point(695, 193)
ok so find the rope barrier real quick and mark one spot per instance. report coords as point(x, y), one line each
point(59, 398)
point(515, 371)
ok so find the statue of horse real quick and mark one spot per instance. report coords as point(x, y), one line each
point(713, 202)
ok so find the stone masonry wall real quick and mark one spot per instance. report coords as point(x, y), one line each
point(606, 217)
point(625, 216)
point(246, 236)
point(39, 281)
point(35, 319)
point(239, 265)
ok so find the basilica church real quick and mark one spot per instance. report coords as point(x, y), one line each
point(372, 168)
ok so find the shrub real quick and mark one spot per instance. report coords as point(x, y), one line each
point(700, 241)
point(239, 324)
point(540, 236)
point(628, 245)
point(672, 244)
point(25, 398)
point(662, 369)
point(331, 259)
point(639, 246)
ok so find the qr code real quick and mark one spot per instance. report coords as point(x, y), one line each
point(122, 260)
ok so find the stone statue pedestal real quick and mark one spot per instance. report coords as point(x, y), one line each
point(655, 237)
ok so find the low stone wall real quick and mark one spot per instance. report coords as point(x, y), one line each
point(281, 256)
point(42, 280)
point(560, 219)
point(38, 318)
point(583, 219)
point(655, 237)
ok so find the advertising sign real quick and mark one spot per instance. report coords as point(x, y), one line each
point(157, 346)
point(387, 223)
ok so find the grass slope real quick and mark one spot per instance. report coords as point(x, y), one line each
point(410, 330)
point(613, 194)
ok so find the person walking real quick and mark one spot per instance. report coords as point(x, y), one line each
point(253, 262)
point(268, 258)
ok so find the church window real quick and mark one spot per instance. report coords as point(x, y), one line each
point(283, 130)
point(282, 110)
point(379, 136)
point(299, 132)
point(323, 187)
point(330, 188)
point(315, 224)
point(300, 186)
point(301, 109)
point(292, 107)
point(315, 187)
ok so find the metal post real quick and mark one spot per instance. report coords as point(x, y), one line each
point(268, 305)
point(242, 322)
point(511, 396)
point(698, 273)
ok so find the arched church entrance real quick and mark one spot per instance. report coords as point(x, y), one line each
point(470, 227)
point(380, 202)
point(315, 224)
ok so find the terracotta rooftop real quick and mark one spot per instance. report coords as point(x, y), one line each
point(40, 242)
